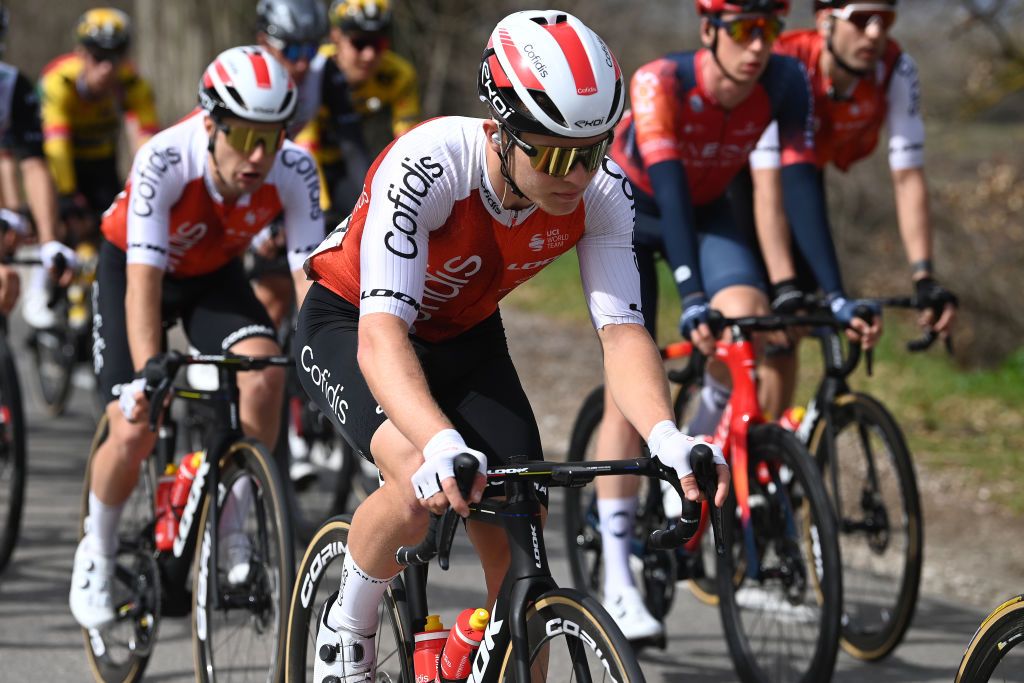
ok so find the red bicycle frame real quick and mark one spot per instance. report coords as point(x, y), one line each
point(741, 412)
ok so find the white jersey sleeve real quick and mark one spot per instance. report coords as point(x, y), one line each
point(611, 281)
point(157, 181)
point(906, 128)
point(298, 184)
point(412, 194)
point(768, 152)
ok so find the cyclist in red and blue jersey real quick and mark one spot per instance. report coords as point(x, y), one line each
point(695, 118)
point(861, 80)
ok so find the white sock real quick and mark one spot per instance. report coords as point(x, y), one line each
point(358, 600)
point(714, 396)
point(236, 508)
point(617, 519)
point(101, 526)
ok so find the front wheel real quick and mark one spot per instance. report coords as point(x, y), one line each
point(869, 476)
point(571, 638)
point(317, 580)
point(779, 581)
point(12, 455)
point(119, 653)
point(993, 654)
point(53, 359)
point(237, 629)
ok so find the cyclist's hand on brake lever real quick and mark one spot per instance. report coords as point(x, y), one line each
point(859, 329)
point(434, 482)
point(673, 448)
point(132, 400)
point(693, 323)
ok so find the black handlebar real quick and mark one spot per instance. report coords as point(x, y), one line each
point(441, 531)
point(702, 462)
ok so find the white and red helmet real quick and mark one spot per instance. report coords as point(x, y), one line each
point(545, 72)
point(247, 83)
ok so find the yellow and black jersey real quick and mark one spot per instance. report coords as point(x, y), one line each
point(392, 90)
point(77, 127)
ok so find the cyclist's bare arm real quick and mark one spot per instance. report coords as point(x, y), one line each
point(772, 229)
point(302, 285)
point(396, 379)
point(636, 378)
point(41, 196)
point(142, 308)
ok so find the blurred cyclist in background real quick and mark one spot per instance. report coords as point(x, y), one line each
point(21, 149)
point(85, 96)
point(861, 80)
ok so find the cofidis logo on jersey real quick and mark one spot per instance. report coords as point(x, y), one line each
point(303, 164)
point(147, 177)
point(407, 198)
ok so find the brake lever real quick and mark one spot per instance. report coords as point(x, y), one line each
point(707, 481)
point(869, 361)
point(466, 467)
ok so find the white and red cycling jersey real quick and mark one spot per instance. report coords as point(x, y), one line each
point(430, 242)
point(171, 216)
point(848, 126)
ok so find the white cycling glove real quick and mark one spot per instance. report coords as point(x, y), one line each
point(48, 252)
point(126, 399)
point(262, 237)
point(439, 462)
point(673, 447)
point(15, 221)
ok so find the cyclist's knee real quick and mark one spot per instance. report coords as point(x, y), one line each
point(267, 384)
point(130, 442)
point(740, 300)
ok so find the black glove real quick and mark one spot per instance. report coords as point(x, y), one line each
point(695, 311)
point(931, 295)
point(787, 298)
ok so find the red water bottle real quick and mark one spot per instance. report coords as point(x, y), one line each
point(183, 482)
point(792, 417)
point(166, 527)
point(428, 646)
point(463, 641)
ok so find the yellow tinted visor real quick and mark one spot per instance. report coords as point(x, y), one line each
point(246, 139)
point(559, 161)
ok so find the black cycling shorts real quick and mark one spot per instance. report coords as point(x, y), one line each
point(217, 310)
point(471, 377)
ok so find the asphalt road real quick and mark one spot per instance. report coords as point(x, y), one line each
point(39, 641)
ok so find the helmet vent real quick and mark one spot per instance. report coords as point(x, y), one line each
point(549, 108)
point(235, 96)
point(287, 101)
point(616, 96)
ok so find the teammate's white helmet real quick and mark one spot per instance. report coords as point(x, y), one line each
point(247, 83)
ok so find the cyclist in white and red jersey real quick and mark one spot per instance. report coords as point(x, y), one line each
point(861, 80)
point(197, 193)
point(400, 340)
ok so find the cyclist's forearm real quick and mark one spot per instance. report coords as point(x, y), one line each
point(772, 228)
point(395, 377)
point(142, 309)
point(302, 285)
point(911, 191)
point(42, 197)
point(635, 376)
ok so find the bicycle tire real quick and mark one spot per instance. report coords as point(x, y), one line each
point(394, 640)
point(792, 526)
point(593, 641)
point(120, 652)
point(881, 524)
point(998, 635)
point(259, 603)
point(655, 570)
point(13, 454)
point(53, 363)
